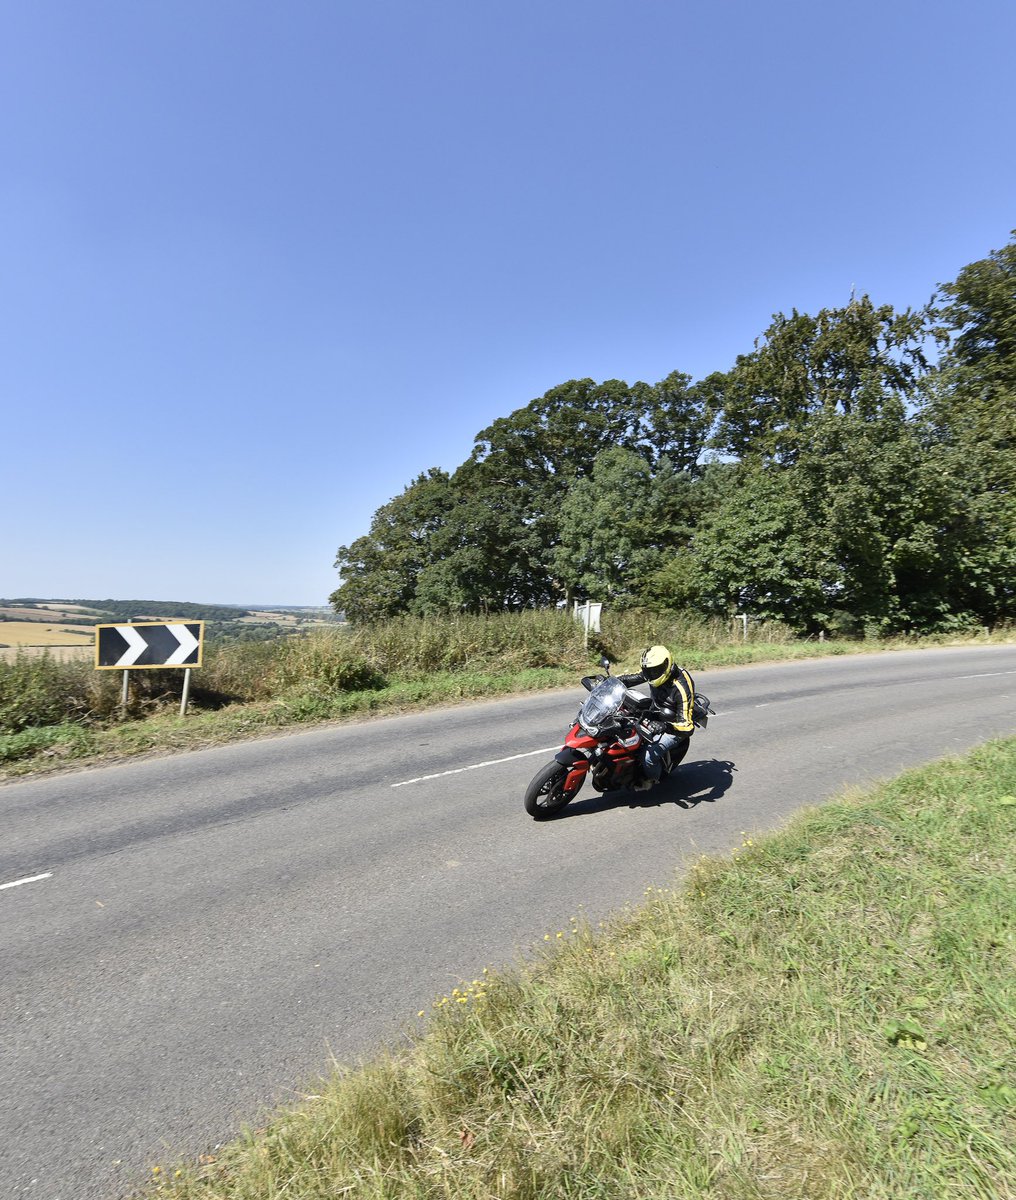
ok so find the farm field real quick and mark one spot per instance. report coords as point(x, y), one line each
point(36, 633)
point(37, 637)
point(49, 613)
point(61, 653)
point(60, 606)
point(289, 619)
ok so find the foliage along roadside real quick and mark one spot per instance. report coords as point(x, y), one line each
point(824, 1013)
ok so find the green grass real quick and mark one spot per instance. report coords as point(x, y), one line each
point(825, 1014)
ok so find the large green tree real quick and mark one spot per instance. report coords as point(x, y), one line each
point(857, 486)
point(861, 361)
point(495, 547)
point(490, 553)
point(832, 515)
point(671, 420)
point(621, 523)
point(379, 571)
point(761, 553)
point(971, 420)
point(979, 313)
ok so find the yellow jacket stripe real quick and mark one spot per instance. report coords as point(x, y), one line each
point(683, 723)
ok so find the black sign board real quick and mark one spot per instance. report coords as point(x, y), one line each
point(148, 644)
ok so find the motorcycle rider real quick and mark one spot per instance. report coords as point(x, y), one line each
point(672, 692)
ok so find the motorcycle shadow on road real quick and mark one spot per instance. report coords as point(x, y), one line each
point(691, 784)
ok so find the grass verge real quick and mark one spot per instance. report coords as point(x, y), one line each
point(825, 1014)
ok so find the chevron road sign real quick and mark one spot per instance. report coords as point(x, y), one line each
point(148, 644)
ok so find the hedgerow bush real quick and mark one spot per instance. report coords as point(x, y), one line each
point(240, 671)
point(41, 690)
point(497, 642)
point(628, 631)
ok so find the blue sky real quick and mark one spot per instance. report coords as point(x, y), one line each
point(261, 263)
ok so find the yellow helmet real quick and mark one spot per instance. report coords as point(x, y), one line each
point(657, 665)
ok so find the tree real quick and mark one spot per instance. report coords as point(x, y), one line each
point(837, 509)
point(534, 459)
point(970, 416)
point(484, 539)
point(760, 551)
point(620, 524)
point(852, 536)
point(380, 570)
point(489, 555)
point(980, 316)
point(879, 507)
point(860, 361)
point(672, 420)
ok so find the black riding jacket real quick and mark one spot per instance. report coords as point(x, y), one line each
point(672, 699)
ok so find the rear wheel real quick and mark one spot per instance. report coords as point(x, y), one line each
point(545, 795)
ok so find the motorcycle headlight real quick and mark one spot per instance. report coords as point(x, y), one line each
point(592, 730)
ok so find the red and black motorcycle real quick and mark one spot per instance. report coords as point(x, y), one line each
point(606, 742)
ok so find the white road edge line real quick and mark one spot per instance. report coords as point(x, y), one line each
point(476, 766)
point(27, 879)
point(986, 674)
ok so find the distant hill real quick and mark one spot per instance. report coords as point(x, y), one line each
point(125, 610)
point(128, 610)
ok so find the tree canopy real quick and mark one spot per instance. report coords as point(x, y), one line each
point(840, 475)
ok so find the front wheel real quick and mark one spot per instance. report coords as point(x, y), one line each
point(545, 795)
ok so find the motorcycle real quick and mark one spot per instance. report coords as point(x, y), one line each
point(606, 742)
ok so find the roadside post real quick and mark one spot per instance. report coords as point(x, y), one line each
point(589, 615)
point(150, 645)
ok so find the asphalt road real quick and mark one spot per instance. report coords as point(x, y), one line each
point(210, 930)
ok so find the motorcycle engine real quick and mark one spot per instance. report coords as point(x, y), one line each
point(601, 778)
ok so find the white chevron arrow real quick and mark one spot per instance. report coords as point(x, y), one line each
point(137, 646)
point(188, 644)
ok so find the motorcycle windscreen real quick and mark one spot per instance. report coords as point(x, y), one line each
point(602, 705)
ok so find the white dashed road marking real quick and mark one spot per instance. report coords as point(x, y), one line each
point(476, 766)
point(27, 879)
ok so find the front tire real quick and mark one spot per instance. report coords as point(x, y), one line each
point(545, 795)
